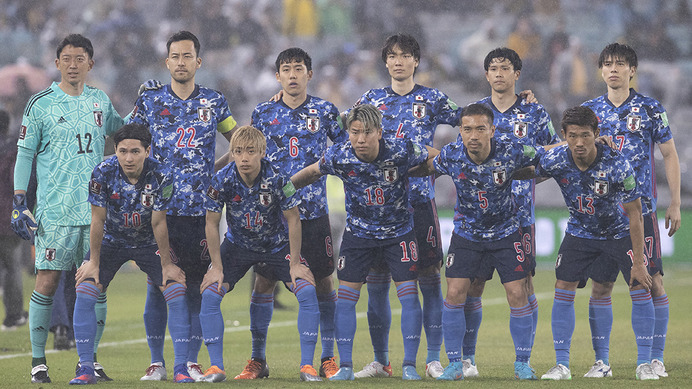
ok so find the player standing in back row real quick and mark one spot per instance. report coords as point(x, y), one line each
point(413, 112)
point(63, 129)
point(635, 123)
point(183, 118)
point(297, 128)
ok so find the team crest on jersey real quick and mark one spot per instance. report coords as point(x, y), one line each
point(147, 198)
point(204, 114)
point(341, 263)
point(50, 254)
point(98, 118)
point(600, 187)
point(265, 198)
point(390, 174)
point(634, 122)
point(312, 123)
point(419, 110)
point(450, 260)
point(521, 129)
point(499, 176)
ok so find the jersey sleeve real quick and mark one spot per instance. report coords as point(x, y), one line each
point(335, 129)
point(215, 193)
point(440, 163)
point(326, 163)
point(529, 155)
point(546, 164)
point(226, 122)
point(98, 187)
point(289, 199)
point(662, 132)
point(446, 111)
point(416, 154)
point(546, 132)
point(626, 180)
point(165, 192)
point(112, 119)
point(139, 111)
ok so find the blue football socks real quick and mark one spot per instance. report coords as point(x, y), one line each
point(661, 327)
point(411, 320)
point(308, 319)
point(379, 314)
point(643, 322)
point(521, 327)
point(155, 318)
point(84, 322)
point(179, 323)
point(327, 306)
point(473, 313)
point(431, 289)
point(601, 323)
point(345, 323)
point(562, 322)
point(211, 320)
point(261, 311)
point(453, 329)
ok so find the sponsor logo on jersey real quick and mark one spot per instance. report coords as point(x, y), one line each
point(212, 193)
point(204, 114)
point(313, 123)
point(22, 132)
point(94, 187)
point(391, 174)
point(341, 263)
point(419, 110)
point(499, 176)
point(98, 118)
point(50, 254)
point(521, 129)
point(165, 112)
point(634, 122)
point(450, 260)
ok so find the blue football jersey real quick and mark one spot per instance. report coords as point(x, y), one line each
point(415, 116)
point(254, 214)
point(297, 138)
point(377, 194)
point(129, 206)
point(525, 124)
point(485, 209)
point(635, 127)
point(594, 196)
point(183, 140)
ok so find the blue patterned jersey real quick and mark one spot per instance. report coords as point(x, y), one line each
point(485, 209)
point(183, 140)
point(129, 206)
point(635, 127)
point(594, 196)
point(525, 124)
point(377, 193)
point(297, 138)
point(415, 116)
point(254, 214)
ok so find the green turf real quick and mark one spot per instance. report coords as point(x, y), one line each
point(125, 355)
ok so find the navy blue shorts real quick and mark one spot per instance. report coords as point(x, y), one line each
point(652, 244)
point(188, 241)
point(316, 246)
point(580, 259)
point(358, 255)
point(528, 234)
point(426, 224)
point(467, 258)
point(112, 258)
point(237, 261)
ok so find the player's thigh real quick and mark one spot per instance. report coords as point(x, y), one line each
point(149, 262)
point(274, 266)
point(575, 260)
point(236, 262)
point(188, 241)
point(507, 257)
point(316, 248)
point(60, 247)
point(427, 229)
point(464, 258)
point(401, 256)
point(652, 245)
point(356, 257)
point(112, 259)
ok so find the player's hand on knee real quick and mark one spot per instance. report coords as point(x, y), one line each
point(88, 270)
point(214, 275)
point(23, 222)
point(173, 273)
point(149, 85)
point(640, 273)
point(301, 271)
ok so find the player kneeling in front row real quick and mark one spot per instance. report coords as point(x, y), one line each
point(128, 196)
point(599, 239)
point(260, 203)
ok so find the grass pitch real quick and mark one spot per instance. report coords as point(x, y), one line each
point(125, 355)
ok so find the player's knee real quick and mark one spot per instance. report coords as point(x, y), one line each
point(601, 290)
point(657, 288)
point(325, 285)
point(477, 287)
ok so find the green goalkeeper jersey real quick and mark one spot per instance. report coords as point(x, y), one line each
point(67, 136)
